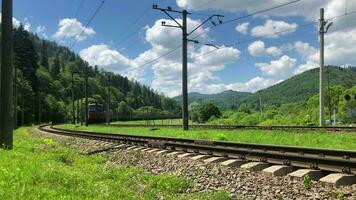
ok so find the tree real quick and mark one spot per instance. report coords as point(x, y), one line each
point(206, 111)
point(56, 68)
point(243, 108)
point(44, 55)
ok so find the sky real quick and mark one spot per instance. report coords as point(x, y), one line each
point(126, 37)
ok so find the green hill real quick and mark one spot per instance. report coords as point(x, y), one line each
point(224, 100)
point(302, 86)
point(295, 89)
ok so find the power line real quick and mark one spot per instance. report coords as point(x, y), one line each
point(79, 8)
point(155, 59)
point(278, 32)
point(261, 11)
point(90, 20)
point(246, 16)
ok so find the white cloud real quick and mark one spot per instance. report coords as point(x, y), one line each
point(210, 56)
point(308, 9)
point(41, 30)
point(252, 85)
point(258, 48)
point(26, 24)
point(72, 28)
point(242, 28)
point(281, 68)
point(273, 29)
point(339, 50)
point(111, 60)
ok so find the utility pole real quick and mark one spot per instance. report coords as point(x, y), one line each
point(322, 31)
point(15, 98)
point(81, 112)
point(78, 112)
point(6, 91)
point(108, 102)
point(86, 97)
point(261, 110)
point(73, 105)
point(183, 26)
point(39, 109)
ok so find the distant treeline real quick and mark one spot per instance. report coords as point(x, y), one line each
point(44, 83)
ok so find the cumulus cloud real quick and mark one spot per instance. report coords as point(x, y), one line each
point(252, 85)
point(273, 29)
point(305, 9)
point(26, 24)
point(242, 28)
point(41, 30)
point(339, 50)
point(258, 48)
point(112, 60)
point(281, 68)
point(70, 28)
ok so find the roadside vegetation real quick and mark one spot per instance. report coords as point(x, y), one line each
point(42, 168)
point(306, 138)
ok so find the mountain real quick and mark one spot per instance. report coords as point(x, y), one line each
point(295, 89)
point(302, 86)
point(224, 100)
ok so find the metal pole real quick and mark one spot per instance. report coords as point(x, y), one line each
point(6, 92)
point(15, 99)
point(321, 70)
point(81, 112)
point(261, 111)
point(39, 109)
point(73, 105)
point(108, 103)
point(86, 99)
point(184, 73)
point(78, 112)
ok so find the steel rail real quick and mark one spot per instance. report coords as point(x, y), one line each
point(315, 158)
point(233, 127)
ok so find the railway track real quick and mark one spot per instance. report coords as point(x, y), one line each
point(325, 160)
point(351, 129)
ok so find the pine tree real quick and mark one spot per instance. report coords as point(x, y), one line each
point(44, 55)
point(56, 68)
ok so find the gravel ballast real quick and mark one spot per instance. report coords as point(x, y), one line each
point(241, 184)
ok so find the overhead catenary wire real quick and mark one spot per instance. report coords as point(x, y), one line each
point(153, 60)
point(89, 21)
point(246, 16)
point(244, 41)
point(277, 32)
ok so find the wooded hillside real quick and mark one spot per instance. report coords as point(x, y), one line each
point(44, 83)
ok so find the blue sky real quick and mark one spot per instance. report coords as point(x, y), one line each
point(126, 34)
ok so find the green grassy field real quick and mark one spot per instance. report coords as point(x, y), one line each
point(307, 139)
point(41, 168)
point(157, 121)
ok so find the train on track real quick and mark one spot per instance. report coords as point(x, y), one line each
point(96, 113)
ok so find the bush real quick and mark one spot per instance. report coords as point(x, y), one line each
point(206, 111)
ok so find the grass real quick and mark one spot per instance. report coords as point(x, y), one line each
point(156, 121)
point(39, 168)
point(307, 139)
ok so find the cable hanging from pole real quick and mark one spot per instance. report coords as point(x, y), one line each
point(90, 20)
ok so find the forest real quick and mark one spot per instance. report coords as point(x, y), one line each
point(46, 73)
